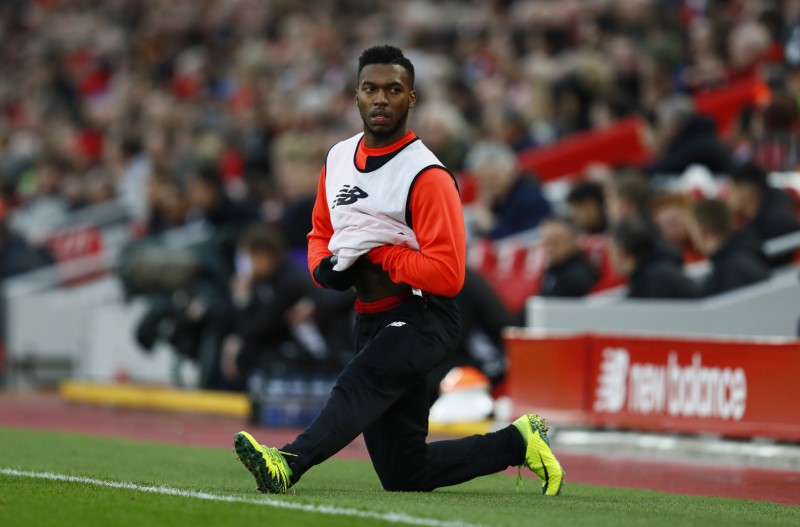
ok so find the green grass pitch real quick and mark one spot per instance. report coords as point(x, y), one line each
point(349, 489)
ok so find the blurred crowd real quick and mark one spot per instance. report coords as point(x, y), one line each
point(221, 112)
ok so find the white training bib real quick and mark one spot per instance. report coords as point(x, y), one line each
point(369, 209)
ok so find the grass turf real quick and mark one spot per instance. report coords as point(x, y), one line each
point(487, 501)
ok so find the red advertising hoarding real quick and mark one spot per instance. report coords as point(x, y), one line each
point(743, 388)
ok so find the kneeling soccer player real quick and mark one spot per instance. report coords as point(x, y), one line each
point(388, 223)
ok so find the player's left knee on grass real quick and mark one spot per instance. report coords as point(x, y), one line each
point(403, 482)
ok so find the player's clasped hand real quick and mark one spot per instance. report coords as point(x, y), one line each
point(339, 280)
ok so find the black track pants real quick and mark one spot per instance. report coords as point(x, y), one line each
point(382, 393)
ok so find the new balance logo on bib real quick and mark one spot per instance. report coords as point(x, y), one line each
point(349, 195)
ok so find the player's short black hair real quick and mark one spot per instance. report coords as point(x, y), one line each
point(385, 54)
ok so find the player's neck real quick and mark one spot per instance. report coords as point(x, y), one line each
point(387, 147)
point(373, 141)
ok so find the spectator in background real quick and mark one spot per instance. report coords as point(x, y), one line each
point(225, 217)
point(297, 158)
point(568, 273)
point(735, 255)
point(16, 256)
point(686, 138)
point(761, 207)
point(585, 203)
point(775, 143)
point(509, 202)
point(572, 101)
point(273, 299)
point(650, 274)
point(166, 204)
point(513, 130)
point(212, 205)
point(134, 172)
point(99, 189)
point(628, 197)
point(444, 130)
point(671, 213)
point(44, 206)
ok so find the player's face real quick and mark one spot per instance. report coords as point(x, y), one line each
point(384, 97)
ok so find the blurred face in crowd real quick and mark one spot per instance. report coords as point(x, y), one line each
point(434, 131)
point(559, 241)
point(263, 262)
point(297, 176)
point(672, 223)
point(202, 195)
point(384, 97)
point(494, 181)
point(255, 263)
point(743, 200)
point(587, 214)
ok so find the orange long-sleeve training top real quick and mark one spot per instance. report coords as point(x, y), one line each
point(439, 266)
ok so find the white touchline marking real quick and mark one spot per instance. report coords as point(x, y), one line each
point(392, 517)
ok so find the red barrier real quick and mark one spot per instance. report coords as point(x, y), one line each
point(76, 243)
point(619, 144)
point(725, 104)
point(515, 270)
point(73, 244)
point(738, 388)
point(549, 373)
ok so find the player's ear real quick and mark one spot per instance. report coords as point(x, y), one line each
point(412, 99)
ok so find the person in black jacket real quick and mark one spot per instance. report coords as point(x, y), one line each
point(736, 256)
point(225, 218)
point(274, 306)
point(688, 138)
point(763, 208)
point(568, 273)
point(628, 197)
point(586, 205)
point(650, 274)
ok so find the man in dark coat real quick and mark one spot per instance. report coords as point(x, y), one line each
point(628, 197)
point(736, 256)
point(273, 297)
point(510, 202)
point(688, 138)
point(650, 274)
point(763, 208)
point(569, 273)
